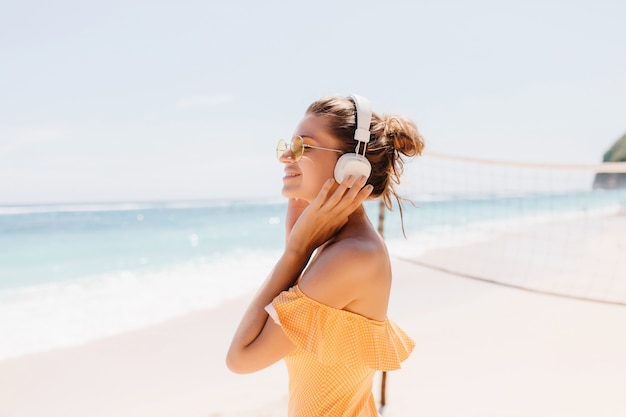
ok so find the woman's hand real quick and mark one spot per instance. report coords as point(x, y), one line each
point(326, 215)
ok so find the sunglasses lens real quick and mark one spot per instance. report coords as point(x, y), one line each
point(297, 147)
point(281, 148)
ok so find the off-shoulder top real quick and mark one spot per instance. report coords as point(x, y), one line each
point(337, 353)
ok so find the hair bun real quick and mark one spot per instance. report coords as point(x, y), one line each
point(402, 133)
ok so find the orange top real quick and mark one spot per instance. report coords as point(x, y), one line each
point(337, 353)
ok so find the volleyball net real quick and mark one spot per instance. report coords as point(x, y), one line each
point(552, 228)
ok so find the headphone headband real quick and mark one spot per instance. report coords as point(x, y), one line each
point(363, 118)
point(356, 164)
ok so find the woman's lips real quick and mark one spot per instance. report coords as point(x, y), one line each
point(291, 175)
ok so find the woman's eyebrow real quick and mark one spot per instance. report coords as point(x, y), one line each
point(308, 140)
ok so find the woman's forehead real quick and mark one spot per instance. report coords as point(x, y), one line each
point(316, 128)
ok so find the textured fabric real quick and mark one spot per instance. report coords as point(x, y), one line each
point(337, 353)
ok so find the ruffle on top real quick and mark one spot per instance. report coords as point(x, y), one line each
point(332, 335)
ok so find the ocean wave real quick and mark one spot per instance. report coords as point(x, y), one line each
point(62, 314)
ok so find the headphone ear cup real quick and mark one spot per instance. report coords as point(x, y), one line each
point(352, 164)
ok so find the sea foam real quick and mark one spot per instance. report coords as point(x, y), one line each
point(62, 314)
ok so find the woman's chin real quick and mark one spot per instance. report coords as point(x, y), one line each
point(287, 192)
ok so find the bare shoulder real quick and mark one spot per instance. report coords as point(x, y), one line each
point(352, 274)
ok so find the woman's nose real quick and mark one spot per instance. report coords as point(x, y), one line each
point(287, 157)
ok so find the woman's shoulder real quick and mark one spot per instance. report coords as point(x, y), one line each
point(352, 273)
point(365, 253)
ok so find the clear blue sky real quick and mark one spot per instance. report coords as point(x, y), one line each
point(145, 100)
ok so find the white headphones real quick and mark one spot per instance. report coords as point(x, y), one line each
point(356, 164)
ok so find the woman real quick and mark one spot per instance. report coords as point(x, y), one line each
point(323, 307)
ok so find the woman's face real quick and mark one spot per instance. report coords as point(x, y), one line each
point(303, 179)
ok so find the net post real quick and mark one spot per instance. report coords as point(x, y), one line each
point(381, 230)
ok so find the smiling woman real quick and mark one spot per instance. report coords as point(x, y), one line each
point(323, 307)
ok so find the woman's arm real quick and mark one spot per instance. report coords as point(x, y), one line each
point(258, 341)
point(295, 207)
point(249, 351)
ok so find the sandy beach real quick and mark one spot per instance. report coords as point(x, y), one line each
point(482, 350)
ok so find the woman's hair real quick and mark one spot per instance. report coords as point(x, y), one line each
point(392, 137)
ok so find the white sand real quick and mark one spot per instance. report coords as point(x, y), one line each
point(482, 350)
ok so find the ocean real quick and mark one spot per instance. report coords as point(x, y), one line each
point(71, 273)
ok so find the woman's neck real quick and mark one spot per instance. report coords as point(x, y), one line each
point(358, 225)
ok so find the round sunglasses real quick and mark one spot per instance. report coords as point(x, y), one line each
point(296, 148)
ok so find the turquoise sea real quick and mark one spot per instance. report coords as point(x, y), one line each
point(70, 273)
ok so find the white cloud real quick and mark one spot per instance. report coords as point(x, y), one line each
point(203, 100)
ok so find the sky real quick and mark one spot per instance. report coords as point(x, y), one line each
point(185, 100)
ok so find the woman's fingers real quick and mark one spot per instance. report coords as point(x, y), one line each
point(346, 192)
point(320, 199)
point(344, 187)
point(347, 196)
point(337, 195)
point(363, 194)
point(355, 187)
point(357, 196)
point(328, 212)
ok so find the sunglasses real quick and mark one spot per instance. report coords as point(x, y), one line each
point(296, 148)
